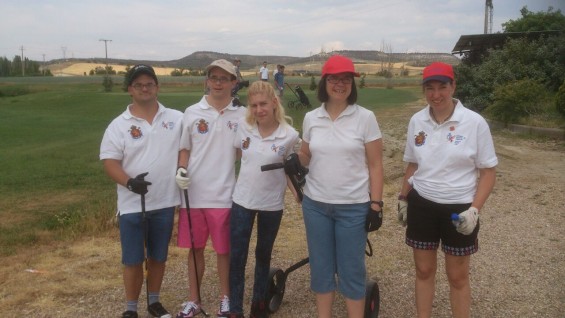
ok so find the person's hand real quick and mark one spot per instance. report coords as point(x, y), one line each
point(374, 220)
point(182, 180)
point(402, 212)
point(468, 221)
point(138, 184)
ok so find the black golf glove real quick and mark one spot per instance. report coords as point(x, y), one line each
point(374, 220)
point(138, 185)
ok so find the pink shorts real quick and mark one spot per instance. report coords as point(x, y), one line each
point(205, 222)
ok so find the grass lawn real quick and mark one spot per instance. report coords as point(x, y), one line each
point(52, 182)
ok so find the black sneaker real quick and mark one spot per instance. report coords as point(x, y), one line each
point(157, 310)
point(129, 314)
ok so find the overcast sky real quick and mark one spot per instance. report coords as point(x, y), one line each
point(165, 30)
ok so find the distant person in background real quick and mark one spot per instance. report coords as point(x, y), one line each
point(279, 81)
point(342, 146)
point(447, 147)
point(264, 72)
point(264, 138)
point(141, 143)
point(239, 82)
point(206, 169)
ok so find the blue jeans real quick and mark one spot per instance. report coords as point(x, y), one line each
point(241, 226)
point(336, 245)
point(132, 235)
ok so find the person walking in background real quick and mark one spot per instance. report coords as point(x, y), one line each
point(263, 138)
point(238, 77)
point(279, 81)
point(207, 163)
point(447, 147)
point(264, 72)
point(342, 145)
point(141, 143)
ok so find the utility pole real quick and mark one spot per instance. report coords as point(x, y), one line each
point(43, 69)
point(23, 61)
point(106, 50)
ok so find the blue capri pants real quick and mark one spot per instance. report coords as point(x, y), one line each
point(336, 246)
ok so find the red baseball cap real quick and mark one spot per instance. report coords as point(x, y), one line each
point(338, 64)
point(438, 71)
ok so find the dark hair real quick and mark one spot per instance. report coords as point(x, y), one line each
point(323, 93)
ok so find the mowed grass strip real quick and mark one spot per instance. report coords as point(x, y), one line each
point(51, 179)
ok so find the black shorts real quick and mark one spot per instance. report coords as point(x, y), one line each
point(430, 222)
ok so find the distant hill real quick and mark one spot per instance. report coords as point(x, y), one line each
point(200, 59)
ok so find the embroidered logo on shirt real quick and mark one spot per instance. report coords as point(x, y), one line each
point(233, 126)
point(278, 149)
point(245, 143)
point(202, 126)
point(455, 139)
point(420, 139)
point(168, 125)
point(135, 132)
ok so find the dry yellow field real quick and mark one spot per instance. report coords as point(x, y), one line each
point(81, 69)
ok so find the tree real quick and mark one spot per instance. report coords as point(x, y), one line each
point(536, 21)
point(541, 60)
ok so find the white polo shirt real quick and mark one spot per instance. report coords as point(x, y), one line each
point(448, 155)
point(339, 173)
point(257, 190)
point(209, 135)
point(142, 147)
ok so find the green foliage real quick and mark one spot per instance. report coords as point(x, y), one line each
point(513, 101)
point(313, 85)
point(536, 21)
point(560, 100)
point(362, 81)
point(384, 73)
point(126, 79)
point(14, 67)
point(541, 60)
point(107, 83)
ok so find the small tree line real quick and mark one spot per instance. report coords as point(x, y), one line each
point(14, 67)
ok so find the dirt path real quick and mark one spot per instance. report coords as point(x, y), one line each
point(519, 270)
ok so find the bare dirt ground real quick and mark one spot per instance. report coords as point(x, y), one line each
point(519, 270)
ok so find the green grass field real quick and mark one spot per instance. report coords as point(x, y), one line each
point(52, 182)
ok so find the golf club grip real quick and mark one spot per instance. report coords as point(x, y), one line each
point(272, 166)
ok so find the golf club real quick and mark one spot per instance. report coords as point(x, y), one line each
point(185, 191)
point(145, 251)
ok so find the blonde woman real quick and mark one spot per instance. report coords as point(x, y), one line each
point(265, 138)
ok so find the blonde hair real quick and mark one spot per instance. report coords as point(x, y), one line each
point(261, 87)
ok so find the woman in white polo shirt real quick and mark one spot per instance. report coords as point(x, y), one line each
point(448, 146)
point(342, 145)
point(265, 138)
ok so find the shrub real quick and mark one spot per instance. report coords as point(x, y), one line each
point(313, 84)
point(362, 81)
point(107, 83)
point(517, 100)
point(560, 100)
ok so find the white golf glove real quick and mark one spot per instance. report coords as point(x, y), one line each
point(182, 180)
point(402, 212)
point(468, 221)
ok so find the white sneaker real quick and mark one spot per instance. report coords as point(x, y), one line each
point(224, 310)
point(189, 310)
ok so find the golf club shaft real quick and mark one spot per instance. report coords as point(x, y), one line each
point(185, 192)
point(144, 222)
